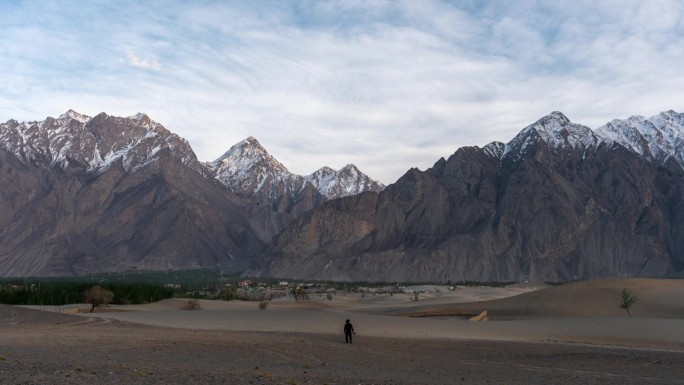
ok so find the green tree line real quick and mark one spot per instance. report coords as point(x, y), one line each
point(61, 293)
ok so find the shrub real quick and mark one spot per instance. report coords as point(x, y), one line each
point(192, 304)
point(228, 294)
point(627, 301)
point(300, 294)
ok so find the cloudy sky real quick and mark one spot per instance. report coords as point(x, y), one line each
point(387, 85)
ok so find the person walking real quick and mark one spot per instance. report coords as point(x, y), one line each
point(348, 331)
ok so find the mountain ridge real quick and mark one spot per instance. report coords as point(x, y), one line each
point(247, 168)
point(109, 194)
point(561, 202)
point(74, 137)
point(106, 193)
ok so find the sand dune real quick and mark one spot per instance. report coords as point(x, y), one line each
point(567, 335)
point(656, 298)
point(584, 312)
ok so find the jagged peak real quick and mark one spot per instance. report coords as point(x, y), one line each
point(669, 121)
point(101, 115)
point(670, 113)
point(657, 138)
point(554, 122)
point(249, 142)
point(556, 115)
point(324, 170)
point(348, 180)
point(350, 168)
point(139, 116)
point(71, 114)
point(97, 142)
point(633, 118)
point(556, 130)
point(249, 152)
point(495, 149)
point(140, 119)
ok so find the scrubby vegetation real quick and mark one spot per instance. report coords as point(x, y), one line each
point(137, 287)
point(127, 288)
point(192, 304)
point(627, 301)
point(56, 292)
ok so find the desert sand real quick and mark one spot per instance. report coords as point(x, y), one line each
point(569, 334)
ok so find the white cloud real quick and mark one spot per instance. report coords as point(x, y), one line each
point(136, 61)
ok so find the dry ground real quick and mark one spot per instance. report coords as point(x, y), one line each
point(290, 343)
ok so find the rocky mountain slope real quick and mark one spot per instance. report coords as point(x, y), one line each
point(105, 193)
point(558, 202)
point(347, 181)
point(94, 143)
point(656, 139)
point(251, 172)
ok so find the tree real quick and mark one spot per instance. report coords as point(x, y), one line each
point(300, 294)
point(97, 296)
point(627, 301)
point(228, 294)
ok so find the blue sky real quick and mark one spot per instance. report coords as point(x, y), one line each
point(387, 85)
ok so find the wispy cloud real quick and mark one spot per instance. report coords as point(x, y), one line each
point(136, 61)
point(385, 85)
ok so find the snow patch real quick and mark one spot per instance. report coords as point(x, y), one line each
point(94, 143)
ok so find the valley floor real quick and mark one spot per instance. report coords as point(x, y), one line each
point(302, 343)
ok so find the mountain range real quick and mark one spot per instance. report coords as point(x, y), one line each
point(251, 172)
point(560, 201)
point(104, 193)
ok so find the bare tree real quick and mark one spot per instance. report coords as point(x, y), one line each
point(627, 301)
point(97, 296)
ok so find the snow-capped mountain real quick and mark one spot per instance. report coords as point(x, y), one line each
point(345, 182)
point(109, 193)
point(557, 131)
point(657, 138)
point(559, 201)
point(495, 149)
point(93, 142)
point(82, 194)
point(249, 170)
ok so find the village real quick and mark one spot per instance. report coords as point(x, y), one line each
point(256, 290)
point(144, 287)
